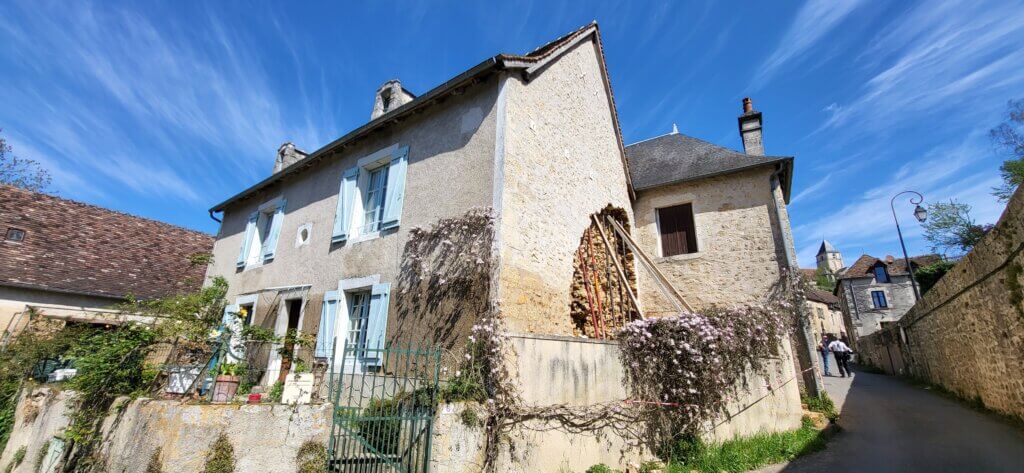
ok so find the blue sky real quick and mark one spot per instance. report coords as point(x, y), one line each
point(164, 110)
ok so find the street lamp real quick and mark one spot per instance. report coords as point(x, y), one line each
point(921, 215)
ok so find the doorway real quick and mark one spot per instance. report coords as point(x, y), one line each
point(293, 308)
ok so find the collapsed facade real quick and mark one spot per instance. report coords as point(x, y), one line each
point(497, 193)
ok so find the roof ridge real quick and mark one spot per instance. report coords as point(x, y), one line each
point(102, 209)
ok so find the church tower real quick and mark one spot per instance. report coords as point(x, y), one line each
point(830, 260)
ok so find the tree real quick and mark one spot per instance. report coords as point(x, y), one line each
point(824, 280)
point(950, 227)
point(1009, 137)
point(20, 172)
point(929, 275)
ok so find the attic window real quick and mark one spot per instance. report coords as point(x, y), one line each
point(15, 235)
point(881, 275)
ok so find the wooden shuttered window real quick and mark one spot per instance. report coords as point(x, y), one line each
point(677, 232)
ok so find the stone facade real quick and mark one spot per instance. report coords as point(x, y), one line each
point(561, 163)
point(265, 437)
point(738, 253)
point(967, 332)
point(859, 311)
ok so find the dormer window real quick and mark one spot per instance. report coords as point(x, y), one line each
point(881, 274)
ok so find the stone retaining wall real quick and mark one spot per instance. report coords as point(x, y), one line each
point(967, 333)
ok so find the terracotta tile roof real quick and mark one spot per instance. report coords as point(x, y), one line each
point(83, 249)
point(862, 268)
point(824, 297)
point(809, 274)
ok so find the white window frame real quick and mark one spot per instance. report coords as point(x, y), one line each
point(367, 164)
point(657, 230)
point(346, 288)
point(266, 217)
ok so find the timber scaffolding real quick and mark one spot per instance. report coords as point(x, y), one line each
point(601, 263)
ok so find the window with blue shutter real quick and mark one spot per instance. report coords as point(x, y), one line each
point(273, 232)
point(328, 316)
point(396, 189)
point(343, 214)
point(250, 230)
point(376, 329)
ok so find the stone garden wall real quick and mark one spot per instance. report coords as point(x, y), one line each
point(967, 333)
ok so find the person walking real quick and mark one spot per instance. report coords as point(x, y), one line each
point(842, 353)
point(823, 350)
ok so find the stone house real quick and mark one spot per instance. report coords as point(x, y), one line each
point(875, 291)
point(826, 317)
point(481, 195)
point(72, 261)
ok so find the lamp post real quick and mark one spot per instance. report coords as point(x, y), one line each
point(921, 215)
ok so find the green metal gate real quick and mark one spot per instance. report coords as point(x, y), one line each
point(384, 404)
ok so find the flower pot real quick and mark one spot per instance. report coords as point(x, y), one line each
point(225, 388)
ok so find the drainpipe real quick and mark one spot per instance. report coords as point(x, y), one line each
point(812, 378)
point(215, 219)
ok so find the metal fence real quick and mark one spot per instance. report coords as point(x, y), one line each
point(384, 404)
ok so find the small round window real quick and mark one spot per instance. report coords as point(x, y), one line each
point(302, 235)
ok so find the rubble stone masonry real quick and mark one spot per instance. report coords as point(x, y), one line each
point(967, 332)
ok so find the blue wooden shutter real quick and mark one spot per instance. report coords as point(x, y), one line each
point(343, 215)
point(376, 327)
point(325, 335)
point(270, 244)
point(395, 194)
point(250, 229)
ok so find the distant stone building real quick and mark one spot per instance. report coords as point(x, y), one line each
point(826, 316)
point(876, 291)
point(829, 260)
point(72, 261)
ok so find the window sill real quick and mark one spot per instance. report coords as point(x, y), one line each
point(682, 257)
point(365, 237)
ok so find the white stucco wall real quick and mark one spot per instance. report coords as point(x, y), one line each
point(451, 149)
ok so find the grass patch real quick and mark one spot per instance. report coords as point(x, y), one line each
point(821, 404)
point(749, 453)
point(221, 457)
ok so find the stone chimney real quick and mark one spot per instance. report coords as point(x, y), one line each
point(287, 155)
point(390, 96)
point(750, 129)
point(890, 259)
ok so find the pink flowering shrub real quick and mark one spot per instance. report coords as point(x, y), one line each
point(683, 369)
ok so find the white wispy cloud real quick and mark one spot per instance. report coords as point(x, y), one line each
point(813, 21)
point(152, 106)
point(937, 57)
point(865, 220)
point(812, 189)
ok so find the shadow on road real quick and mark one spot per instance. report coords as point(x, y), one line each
point(889, 425)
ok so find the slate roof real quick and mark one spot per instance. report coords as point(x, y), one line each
point(862, 268)
point(77, 248)
point(528, 64)
point(824, 297)
point(826, 247)
point(675, 157)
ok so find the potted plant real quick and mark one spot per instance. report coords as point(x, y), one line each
point(226, 383)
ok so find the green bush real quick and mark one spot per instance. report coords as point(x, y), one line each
point(311, 457)
point(276, 391)
point(749, 453)
point(601, 468)
point(469, 417)
point(929, 275)
point(221, 457)
point(822, 404)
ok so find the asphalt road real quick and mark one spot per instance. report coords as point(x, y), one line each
point(891, 426)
